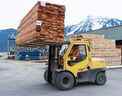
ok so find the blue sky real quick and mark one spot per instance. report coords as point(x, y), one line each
point(12, 11)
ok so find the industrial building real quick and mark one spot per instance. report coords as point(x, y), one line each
point(114, 33)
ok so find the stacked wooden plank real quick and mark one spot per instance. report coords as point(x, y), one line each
point(103, 43)
point(43, 24)
point(111, 56)
point(104, 49)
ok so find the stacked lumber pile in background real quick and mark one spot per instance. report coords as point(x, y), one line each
point(43, 24)
point(104, 49)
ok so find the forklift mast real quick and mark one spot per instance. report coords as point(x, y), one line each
point(54, 59)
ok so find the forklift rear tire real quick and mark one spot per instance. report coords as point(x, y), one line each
point(64, 81)
point(46, 75)
point(100, 78)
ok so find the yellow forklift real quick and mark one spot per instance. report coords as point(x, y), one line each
point(71, 63)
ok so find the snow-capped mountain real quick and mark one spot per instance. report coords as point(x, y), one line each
point(92, 23)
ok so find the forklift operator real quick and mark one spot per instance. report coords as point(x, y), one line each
point(76, 54)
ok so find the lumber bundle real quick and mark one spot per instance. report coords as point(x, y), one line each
point(43, 24)
point(111, 56)
point(104, 49)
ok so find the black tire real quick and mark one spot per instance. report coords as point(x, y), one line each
point(64, 81)
point(100, 78)
point(46, 75)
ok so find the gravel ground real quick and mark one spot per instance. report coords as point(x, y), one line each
point(19, 78)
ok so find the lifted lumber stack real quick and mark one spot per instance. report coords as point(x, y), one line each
point(44, 24)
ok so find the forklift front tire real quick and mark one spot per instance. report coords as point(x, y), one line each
point(64, 81)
